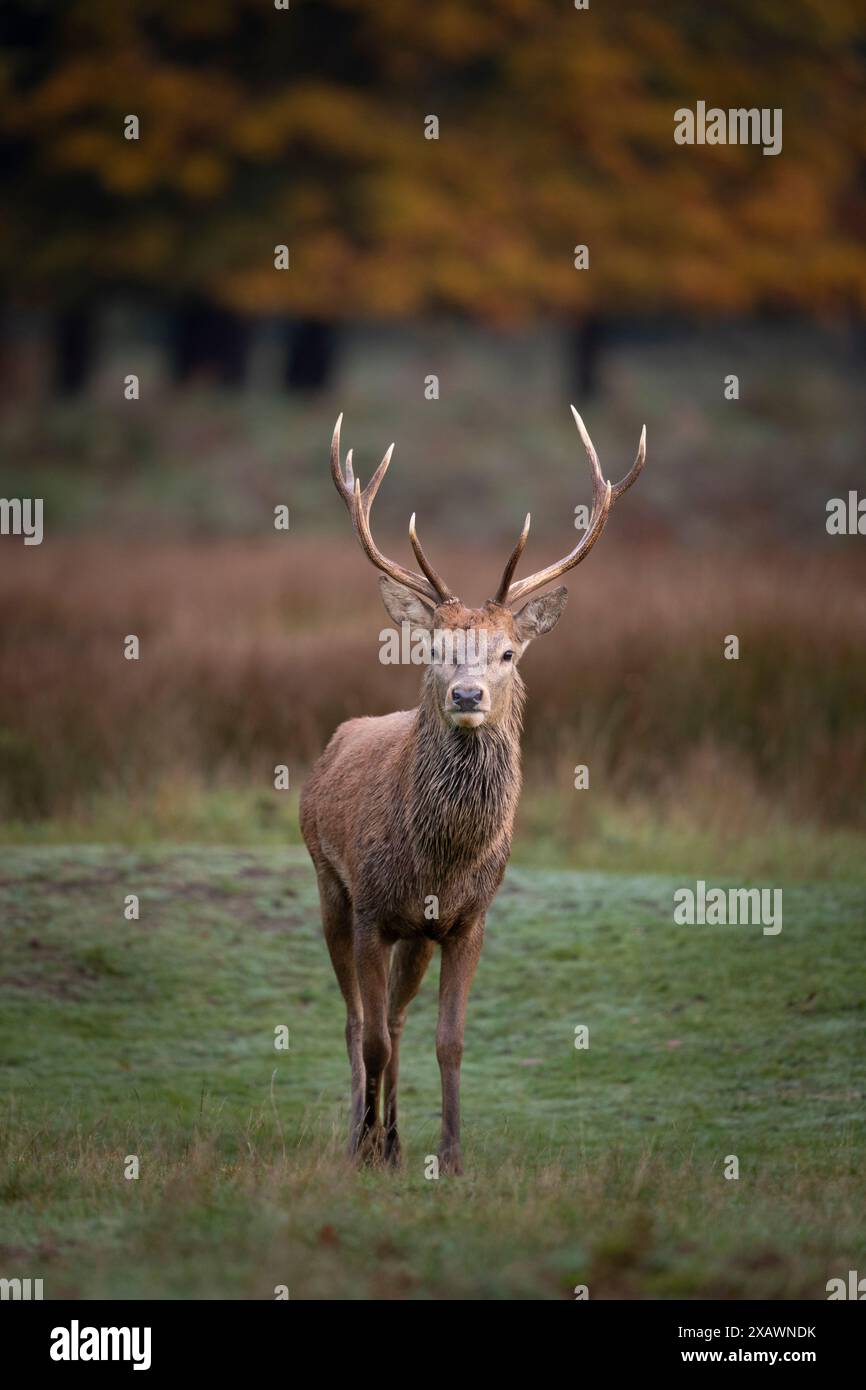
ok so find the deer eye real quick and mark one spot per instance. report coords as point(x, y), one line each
point(506, 656)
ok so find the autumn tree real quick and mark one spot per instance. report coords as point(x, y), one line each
point(554, 130)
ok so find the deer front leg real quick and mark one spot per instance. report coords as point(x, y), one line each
point(372, 954)
point(337, 923)
point(459, 959)
point(410, 960)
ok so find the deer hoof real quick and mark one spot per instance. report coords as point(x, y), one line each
point(451, 1163)
point(370, 1149)
point(393, 1151)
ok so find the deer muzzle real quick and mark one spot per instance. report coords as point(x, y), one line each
point(468, 704)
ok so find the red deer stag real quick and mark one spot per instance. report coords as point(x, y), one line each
point(417, 807)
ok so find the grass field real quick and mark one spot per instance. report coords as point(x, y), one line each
point(155, 1038)
point(601, 1167)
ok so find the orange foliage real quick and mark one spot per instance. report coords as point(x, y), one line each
point(306, 126)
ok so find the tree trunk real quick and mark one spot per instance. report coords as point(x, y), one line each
point(74, 345)
point(311, 355)
point(209, 341)
point(584, 350)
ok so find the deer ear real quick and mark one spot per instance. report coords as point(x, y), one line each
point(541, 614)
point(404, 606)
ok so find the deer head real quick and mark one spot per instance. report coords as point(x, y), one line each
point(475, 652)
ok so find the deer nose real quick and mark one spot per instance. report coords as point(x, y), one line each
point(467, 697)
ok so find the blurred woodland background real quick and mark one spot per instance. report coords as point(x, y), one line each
point(453, 257)
point(153, 780)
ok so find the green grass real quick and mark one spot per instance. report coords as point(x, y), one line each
point(602, 1167)
point(751, 840)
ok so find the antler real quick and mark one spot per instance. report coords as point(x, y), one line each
point(358, 505)
point(604, 495)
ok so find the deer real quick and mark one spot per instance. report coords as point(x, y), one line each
point(408, 817)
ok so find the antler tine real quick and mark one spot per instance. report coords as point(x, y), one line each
point(361, 521)
point(345, 489)
point(580, 552)
point(604, 494)
point(346, 486)
point(634, 472)
point(373, 486)
point(511, 566)
point(598, 479)
point(358, 503)
point(436, 580)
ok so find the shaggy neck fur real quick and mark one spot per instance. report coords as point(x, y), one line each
point(464, 783)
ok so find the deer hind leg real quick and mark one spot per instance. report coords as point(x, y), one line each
point(459, 959)
point(337, 924)
point(372, 954)
point(408, 965)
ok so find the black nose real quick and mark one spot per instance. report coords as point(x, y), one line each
point(466, 697)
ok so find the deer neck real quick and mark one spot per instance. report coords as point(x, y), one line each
point(464, 784)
